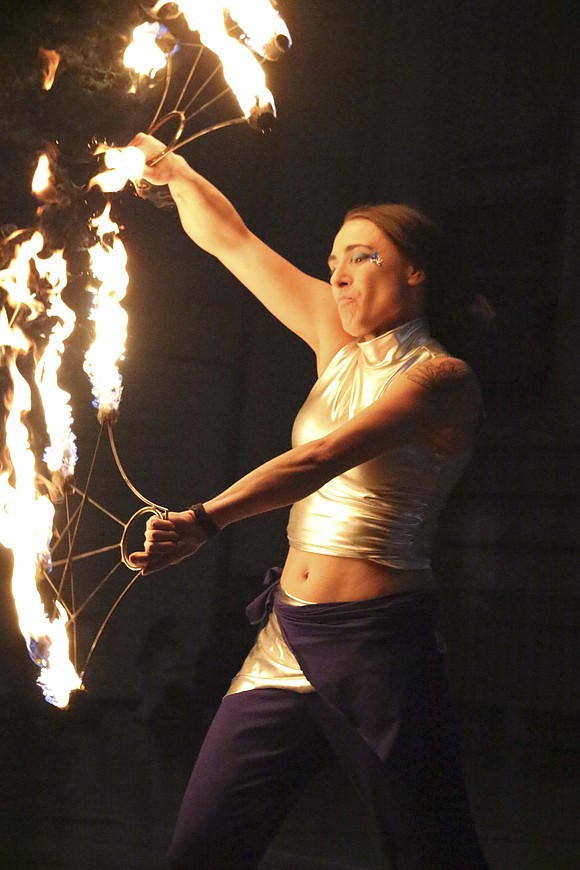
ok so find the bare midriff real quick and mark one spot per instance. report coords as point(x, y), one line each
point(320, 579)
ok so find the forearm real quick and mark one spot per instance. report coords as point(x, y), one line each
point(278, 483)
point(207, 216)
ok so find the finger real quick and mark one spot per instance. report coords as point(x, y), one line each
point(156, 548)
point(147, 143)
point(156, 522)
point(138, 559)
point(161, 535)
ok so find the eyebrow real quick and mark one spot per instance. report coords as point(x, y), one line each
point(333, 257)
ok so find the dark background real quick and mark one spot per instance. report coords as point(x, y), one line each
point(468, 110)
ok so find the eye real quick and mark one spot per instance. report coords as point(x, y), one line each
point(359, 257)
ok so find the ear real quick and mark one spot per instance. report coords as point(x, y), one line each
point(415, 276)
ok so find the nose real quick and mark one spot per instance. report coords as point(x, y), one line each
point(340, 276)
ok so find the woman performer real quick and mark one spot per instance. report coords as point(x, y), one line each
point(347, 656)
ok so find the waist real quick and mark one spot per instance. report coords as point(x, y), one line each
point(318, 578)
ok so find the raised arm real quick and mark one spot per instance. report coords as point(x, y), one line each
point(436, 403)
point(302, 303)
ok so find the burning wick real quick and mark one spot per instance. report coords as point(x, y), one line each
point(143, 55)
point(123, 165)
point(262, 28)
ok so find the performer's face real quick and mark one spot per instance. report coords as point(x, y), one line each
point(373, 293)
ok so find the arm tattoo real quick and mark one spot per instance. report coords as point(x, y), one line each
point(437, 377)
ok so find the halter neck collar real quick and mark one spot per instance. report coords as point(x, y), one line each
point(391, 345)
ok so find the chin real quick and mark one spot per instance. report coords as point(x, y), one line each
point(351, 329)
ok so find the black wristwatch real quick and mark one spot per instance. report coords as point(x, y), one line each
point(204, 521)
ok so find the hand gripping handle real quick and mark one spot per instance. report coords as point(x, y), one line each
point(148, 509)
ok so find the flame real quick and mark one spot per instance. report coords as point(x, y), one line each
point(15, 278)
point(26, 529)
point(265, 31)
point(51, 60)
point(123, 165)
point(25, 515)
point(61, 454)
point(143, 55)
point(108, 264)
point(42, 175)
point(242, 71)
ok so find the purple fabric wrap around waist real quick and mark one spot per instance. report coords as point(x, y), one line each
point(376, 661)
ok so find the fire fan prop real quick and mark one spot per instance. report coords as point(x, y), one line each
point(35, 322)
point(234, 33)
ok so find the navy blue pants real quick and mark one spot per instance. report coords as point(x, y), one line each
point(382, 707)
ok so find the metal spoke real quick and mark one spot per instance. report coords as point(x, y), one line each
point(107, 618)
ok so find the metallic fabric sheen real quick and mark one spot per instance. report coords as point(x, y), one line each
point(384, 510)
point(271, 664)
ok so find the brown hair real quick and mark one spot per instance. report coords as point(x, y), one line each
point(456, 316)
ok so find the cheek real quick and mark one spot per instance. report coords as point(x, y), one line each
point(389, 287)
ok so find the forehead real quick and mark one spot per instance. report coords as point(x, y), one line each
point(358, 231)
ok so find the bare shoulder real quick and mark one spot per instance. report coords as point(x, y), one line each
point(443, 374)
point(451, 400)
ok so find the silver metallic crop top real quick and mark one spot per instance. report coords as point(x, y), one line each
point(386, 509)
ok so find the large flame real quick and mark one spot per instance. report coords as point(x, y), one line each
point(15, 279)
point(108, 265)
point(61, 453)
point(242, 71)
point(26, 515)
